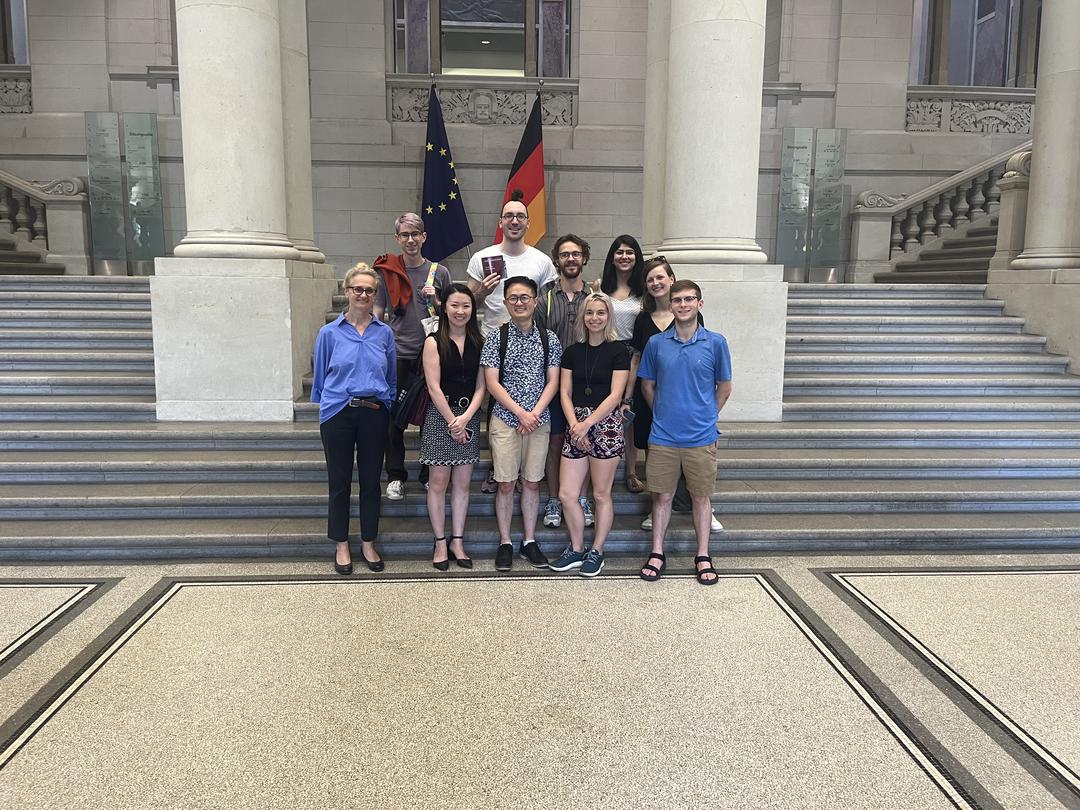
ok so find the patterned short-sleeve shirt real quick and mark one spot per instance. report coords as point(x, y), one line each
point(524, 375)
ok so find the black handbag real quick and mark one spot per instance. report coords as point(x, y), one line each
point(412, 404)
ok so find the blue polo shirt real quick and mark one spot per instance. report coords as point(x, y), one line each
point(348, 364)
point(686, 374)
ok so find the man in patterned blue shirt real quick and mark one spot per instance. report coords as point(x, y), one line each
point(522, 385)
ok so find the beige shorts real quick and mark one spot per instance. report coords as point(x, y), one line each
point(513, 453)
point(697, 464)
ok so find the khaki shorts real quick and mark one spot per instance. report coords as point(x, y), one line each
point(513, 453)
point(698, 465)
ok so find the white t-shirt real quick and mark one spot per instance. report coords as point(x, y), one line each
point(625, 312)
point(532, 264)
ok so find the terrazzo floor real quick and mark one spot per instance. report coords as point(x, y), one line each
point(896, 681)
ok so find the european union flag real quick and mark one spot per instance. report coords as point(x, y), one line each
point(443, 210)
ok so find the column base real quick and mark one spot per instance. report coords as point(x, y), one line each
point(233, 338)
point(712, 251)
point(1054, 259)
point(236, 245)
point(308, 251)
point(752, 315)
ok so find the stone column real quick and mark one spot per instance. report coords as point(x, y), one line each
point(1052, 240)
point(234, 158)
point(716, 62)
point(296, 108)
point(235, 312)
point(716, 54)
point(655, 153)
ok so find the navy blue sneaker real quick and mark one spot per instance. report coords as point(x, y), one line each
point(593, 564)
point(568, 560)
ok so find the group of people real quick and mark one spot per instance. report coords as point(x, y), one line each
point(578, 376)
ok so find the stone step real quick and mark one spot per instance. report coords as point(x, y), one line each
point(918, 408)
point(895, 307)
point(67, 300)
point(290, 466)
point(932, 385)
point(99, 339)
point(53, 360)
point(897, 291)
point(226, 436)
point(7, 256)
point(66, 320)
point(941, 363)
point(922, 324)
point(923, 344)
point(982, 231)
point(69, 409)
point(75, 283)
point(961, 249)
point(35, 268)
point(75, 383)
point(947, 264)
point(755, 496)
point(401, 538)
point(972, 242)
point(914, 274)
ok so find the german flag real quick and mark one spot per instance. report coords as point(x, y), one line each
point(527, 175)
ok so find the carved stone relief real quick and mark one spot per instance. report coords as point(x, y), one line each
point(481, 106)
point(969, 115)
point(15, 96)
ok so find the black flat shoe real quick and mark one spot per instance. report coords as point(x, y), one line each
point(376, 566)
point(463, 562)
point(442, 565)
point(345, 569)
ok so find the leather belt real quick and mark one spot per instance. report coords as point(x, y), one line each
point(365, 402)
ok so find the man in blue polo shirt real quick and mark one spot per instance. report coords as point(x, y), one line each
point(685, 376)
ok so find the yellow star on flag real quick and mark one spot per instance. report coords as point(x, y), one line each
point(442, 153)
point(453, 195)
point(453, 180)
point(430, 147)
point(451, 164)
point(442, 206)
point(429, 210)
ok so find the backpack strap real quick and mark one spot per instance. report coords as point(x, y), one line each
point(431, 283)
point(504, 338)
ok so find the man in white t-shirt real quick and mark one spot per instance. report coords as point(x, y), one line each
point(521, 260)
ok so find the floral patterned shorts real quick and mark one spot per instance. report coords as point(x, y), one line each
point(606, 436)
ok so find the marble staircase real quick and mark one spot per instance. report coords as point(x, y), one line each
point(916, 417)
point(962, 259)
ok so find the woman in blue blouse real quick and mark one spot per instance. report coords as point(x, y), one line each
point(355, 385)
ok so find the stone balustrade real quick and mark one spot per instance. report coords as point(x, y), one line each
point(1012, 217)
point(887, 227)
point(52, 216)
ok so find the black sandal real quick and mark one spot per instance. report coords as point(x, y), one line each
point(442, 565)
point(657, 572)
point(463, 562)
point(709, 570)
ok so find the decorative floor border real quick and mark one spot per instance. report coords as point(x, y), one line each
point(33, 637)
point(946, 774)
point(955, 685)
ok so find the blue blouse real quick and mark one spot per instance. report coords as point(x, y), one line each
point(348, 364)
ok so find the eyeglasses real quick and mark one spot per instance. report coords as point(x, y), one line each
point(519, 299)
point(571, 254)
point(685, 299)
point(361, 290)
point(468, 434)
point(511, 217)
point(659, 257)
point(405, 237)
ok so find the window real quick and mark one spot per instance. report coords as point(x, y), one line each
point(13, 32)
point(986, 43)
point(483, 37)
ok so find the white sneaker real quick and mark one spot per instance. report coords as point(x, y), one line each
point(715, 526)
point(395, 490)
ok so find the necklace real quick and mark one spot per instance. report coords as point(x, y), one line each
point(589, 371)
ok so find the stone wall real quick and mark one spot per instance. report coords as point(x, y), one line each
point(851, 63)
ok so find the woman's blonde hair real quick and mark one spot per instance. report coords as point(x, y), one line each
point(360, 269)
point(581, 334)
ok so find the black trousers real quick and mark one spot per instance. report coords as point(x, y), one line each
point(360, 432)
point(407, 371)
